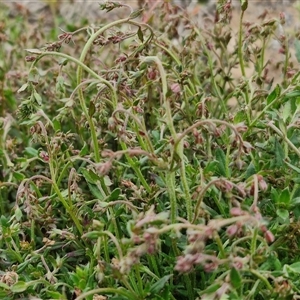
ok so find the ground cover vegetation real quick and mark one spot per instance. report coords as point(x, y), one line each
point(134, 165)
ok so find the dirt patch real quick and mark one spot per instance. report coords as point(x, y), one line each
point(202, 14)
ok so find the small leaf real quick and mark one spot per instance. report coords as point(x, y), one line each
point(295, 267)
point(92, 108)
point(18, 213)
point(285, 196)
point(136, 13)
point(107, 181)
point(19, 287)
point(4, 286)
point(37, 97)
point(235, 278)
point(56, 125)
point(114, 194)
point(283, 214)
point(31, 151)
point(279, 155)
point(90, 176)
point(273, 95)
point(92, 234)
point(34, 76)
point(34, 51)
point(221, 158)
point(286, 113)
point(19, 176)
point(23, 88)
point(250, 171)
point(293, 167)
point(140, 34)
point(95, 191)
point(84, 150)
point(297, 47)
point(157, 286)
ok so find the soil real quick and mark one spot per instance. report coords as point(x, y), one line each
point(257, 11)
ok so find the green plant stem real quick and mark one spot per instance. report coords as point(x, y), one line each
point(200, 197)
point(170, 182)
point(240, 44)
point(163, 77)
point(220, 245)
point(284, 137)
point(211, 67)
point(186, 189)
point(253, 246)
point(189, 287)
point(119, 291)
point(139, 125)
point(67, 207)
point(136, 169)
point(139, 279)
point(262, 278)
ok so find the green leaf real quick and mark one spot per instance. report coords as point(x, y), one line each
point(293, 167)
point(95, 191)
point(107, 181)
point(19, 287)
point(235, 278)
point(84, 150)
point(212, 288)
point(19, 176)
point(295, 201)
point(136, 13)
point(283, 214)
point(211, 167)
point(18, 213)
point(93, 235)
point(31, 151)
point(274, 195)
point(23, 88)
point(157, 286)
point(90, 176)
point(92, 108)
point(4, 286)
point(55, 295)
point(286, 113)
point(250, 171)
point(285, 196)
point(279, 155)
point(295, 267)
point(34, 51)
point(297, 48)
point(273, 95)
point(56, 125)
point(34, 76)
point(114, 194)
point(140, 34)
point(222, 167)
point(37, 97)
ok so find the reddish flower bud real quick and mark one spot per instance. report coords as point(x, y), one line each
point(269, 236)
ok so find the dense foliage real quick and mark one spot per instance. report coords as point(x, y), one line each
point(148, 160)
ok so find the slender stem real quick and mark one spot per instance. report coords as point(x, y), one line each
point(163, 77)
point(186, 189)
point(284, 137)
point(240, 44)
point(170, 181)
point(262, 278)
point(121, 292)
point(220, 245)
